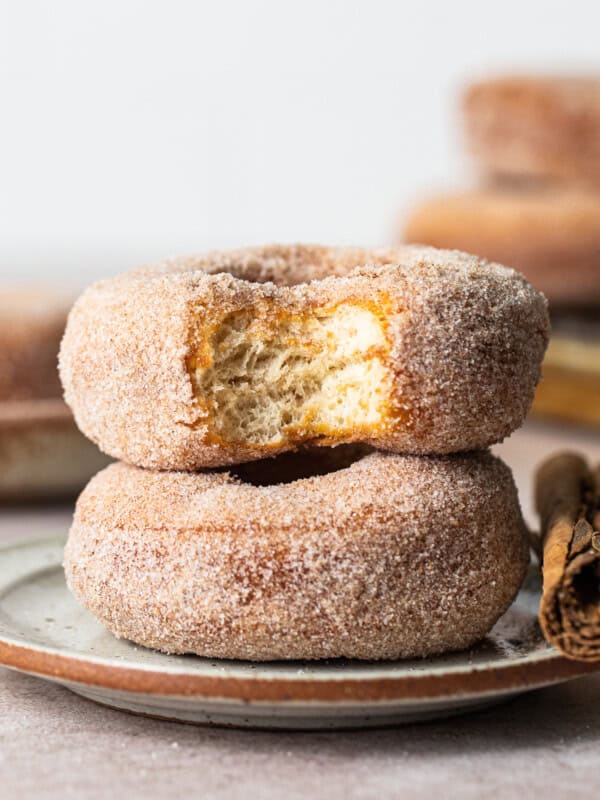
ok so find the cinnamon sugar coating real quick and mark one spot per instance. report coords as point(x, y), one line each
point(32, 321)
point(542, 127)
point(464, 343)
point(391, 557)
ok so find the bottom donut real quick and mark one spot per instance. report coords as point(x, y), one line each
point(339, 553)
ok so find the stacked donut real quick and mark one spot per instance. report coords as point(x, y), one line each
point(536, 143)
point(302, 434)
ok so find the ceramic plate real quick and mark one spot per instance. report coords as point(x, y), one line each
point(44, 632)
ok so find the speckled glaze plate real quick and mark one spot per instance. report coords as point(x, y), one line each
point(44, 632)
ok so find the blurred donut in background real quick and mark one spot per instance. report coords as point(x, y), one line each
point(535, 143)
point(42, 453)
point(535, 127)
point(570, 388)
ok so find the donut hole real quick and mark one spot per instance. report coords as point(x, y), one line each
point(295, 378)
point(291, 265)
point(300, 465)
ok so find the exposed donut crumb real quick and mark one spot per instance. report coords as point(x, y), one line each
point(321, 375)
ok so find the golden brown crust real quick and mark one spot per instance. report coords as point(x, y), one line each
point(552, 236)
point(32, 322)
point(467, 338)
point(393, 556)
point(539, 127)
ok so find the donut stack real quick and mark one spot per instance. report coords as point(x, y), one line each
point(536, 144)
point(302, 437)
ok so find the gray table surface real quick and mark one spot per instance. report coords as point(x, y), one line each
point(56, 745)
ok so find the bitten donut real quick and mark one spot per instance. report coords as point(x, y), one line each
point(535, 127)
point(551, 235)
point(32, 322)
point(196, 363)
point(390, 557)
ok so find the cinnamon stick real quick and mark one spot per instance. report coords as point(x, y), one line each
point(567, 496)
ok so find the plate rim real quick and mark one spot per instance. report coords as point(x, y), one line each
point(517, 674)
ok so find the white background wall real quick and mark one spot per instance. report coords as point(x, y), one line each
point(130, 130)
